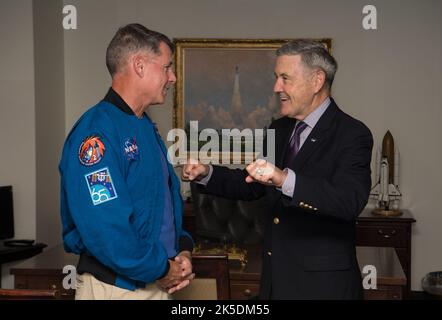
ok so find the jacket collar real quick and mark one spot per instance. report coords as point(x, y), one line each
point(114, 98)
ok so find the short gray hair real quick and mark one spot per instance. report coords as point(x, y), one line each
point(130, 39)
point(314, 55)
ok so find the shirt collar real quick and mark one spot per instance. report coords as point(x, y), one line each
point(314, 117)
point(114, 98)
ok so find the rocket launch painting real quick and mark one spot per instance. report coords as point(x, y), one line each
point(226, 84)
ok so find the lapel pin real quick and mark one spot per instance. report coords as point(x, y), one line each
point(313, 140)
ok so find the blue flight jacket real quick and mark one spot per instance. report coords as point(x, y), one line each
point(112, 194)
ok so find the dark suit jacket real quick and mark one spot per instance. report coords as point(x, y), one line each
point(309, 253)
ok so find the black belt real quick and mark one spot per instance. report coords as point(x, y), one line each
point(91, 265)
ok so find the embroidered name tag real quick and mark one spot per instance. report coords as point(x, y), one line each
point(91, 150)
point(131, 149)
point(101, 186)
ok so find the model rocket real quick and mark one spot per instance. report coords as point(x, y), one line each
point(386, 189)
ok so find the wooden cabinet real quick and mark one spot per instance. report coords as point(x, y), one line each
point(377, 231)
point(244, 280)
point(243, 290)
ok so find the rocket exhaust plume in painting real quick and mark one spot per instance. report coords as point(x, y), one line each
point(386, 190)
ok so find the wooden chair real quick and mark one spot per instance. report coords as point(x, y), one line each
point(211, 279)
point(28, 294)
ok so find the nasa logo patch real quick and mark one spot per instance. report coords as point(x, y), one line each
point(131, 149)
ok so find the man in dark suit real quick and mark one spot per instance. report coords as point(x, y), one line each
point(318, 186)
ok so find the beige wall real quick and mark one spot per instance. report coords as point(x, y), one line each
point(32, 117)
point(49, 116)
point(17, 115)
point(389, 78)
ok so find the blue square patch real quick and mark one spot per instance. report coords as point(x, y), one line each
point(101, 186)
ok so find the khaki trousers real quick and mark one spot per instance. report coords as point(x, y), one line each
point(89, 288)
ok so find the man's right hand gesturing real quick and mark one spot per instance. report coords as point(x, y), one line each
point(194, 170)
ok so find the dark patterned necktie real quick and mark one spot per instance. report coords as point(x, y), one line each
point(294, 144)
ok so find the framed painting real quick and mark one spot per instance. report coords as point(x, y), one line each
point(226, 84)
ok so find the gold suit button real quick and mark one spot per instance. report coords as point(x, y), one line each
point(316, 209)
point(301, 204)
point(269, 253)
point(310, 207)
point(276, 221)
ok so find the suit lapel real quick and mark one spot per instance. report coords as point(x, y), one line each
point(317, 137)
point(313, 142)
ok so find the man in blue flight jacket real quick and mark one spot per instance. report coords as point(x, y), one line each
point(121, 207)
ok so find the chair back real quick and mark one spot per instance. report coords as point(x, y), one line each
point(228, 221)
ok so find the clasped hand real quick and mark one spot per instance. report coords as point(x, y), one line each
point(179, 275)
